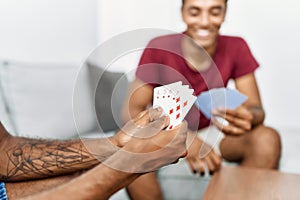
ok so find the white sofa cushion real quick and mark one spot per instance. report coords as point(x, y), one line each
point(39, 97)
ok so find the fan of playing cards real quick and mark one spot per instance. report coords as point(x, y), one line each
point(176, 100)
point(219, 97)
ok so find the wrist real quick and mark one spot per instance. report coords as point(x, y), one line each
point(115, 141)
point(258, 115)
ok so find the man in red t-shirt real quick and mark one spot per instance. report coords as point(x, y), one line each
point(204, 59)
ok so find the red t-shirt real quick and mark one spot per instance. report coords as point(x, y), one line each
point(162, 62)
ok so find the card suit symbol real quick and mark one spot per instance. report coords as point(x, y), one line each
point(169, 96)
point(178, 115)
point(171, 127)
point(163, 96)
point(178, 108)
point(178, 99)
point(185, 103)
point(170, 111)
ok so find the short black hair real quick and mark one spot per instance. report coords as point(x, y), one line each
point(184, 0)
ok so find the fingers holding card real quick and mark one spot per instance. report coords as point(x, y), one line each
point(176, 100)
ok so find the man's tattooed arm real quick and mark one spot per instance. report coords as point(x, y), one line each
point(25, 159)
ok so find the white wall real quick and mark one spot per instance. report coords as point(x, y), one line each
point(271, 27)
point(47, 30)
point(117, 16)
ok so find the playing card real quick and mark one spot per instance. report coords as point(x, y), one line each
point(175, 99)
point(186, 95)
point(187, 99)
point(170, 103)
point(162, 95)
point(221, 97)
point(174, 87)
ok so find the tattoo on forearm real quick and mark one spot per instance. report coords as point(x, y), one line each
point(45, 158)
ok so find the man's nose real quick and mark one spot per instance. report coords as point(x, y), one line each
point(204, 20)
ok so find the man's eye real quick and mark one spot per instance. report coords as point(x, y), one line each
point(216, 12)
point(194, 13)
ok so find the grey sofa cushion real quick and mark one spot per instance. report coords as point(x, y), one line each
point(110, 89)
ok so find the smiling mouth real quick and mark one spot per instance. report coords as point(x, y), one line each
point(203, 33)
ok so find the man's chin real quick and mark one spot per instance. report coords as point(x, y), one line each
point(204, 44)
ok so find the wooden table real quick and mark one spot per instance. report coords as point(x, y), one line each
point(241, 183)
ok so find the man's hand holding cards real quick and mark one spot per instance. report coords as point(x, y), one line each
point(176, 100)
point(219, 98)
point(225, 108)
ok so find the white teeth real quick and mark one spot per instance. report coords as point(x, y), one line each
point(203, 33)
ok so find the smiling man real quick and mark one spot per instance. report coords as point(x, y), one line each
point(204, 59)
point(203, 20)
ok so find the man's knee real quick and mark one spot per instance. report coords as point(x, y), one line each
point(266, 142)
point(268, 136)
